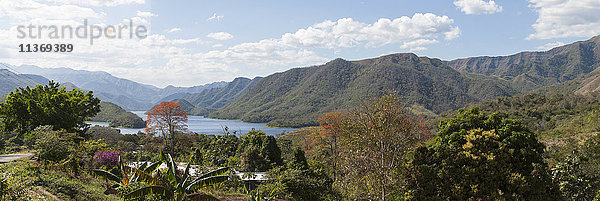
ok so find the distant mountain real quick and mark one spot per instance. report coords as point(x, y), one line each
point(219, 97)
point(10, 80)
point(297, 97)
point(208, 101)
point(532, 70)
point(123, 92)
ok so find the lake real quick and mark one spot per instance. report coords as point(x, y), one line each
point(199, 124)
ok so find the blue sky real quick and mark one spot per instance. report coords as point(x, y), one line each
point(197, 42)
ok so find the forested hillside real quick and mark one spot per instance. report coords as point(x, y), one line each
point(117, 116)
point(532, 70)
point(299, 96)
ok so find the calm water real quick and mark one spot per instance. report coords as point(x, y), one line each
point(199, 124)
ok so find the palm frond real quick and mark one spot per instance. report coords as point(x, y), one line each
point(216, 172)
point(202, 182)
point(106, 174)
point(146, 177)
point(153, 167)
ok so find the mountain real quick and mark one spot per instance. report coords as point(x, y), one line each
point(9, 81)
point(219, 97)
point(297, 97)
point(123, 92)
point(591, 83)
point(118, 117)
point(532, 70)
point(208, 101)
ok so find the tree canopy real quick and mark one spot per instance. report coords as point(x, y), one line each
point(482, 157)
point(27, 108)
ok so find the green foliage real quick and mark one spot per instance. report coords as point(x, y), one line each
point(271, 152)
point(298, 160)
point(302, 183)
point(54, 145)
point(479, 156)
point(573, 182)
point(551, 114)
point(531, 70)
point(253, 160)
point(118, 117)
point(27, 108)
point(178, 186)
point(259, 152)
point(16, 180)
point(297, 97)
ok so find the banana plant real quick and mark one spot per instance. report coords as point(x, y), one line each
point(174, 186)
point(127, 175)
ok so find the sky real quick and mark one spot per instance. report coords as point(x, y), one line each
point(194, 42)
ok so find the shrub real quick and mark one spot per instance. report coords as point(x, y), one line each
point(54, 145)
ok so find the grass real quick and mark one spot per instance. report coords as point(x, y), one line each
point(28, 181)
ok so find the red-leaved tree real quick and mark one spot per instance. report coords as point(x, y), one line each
point(167, 118)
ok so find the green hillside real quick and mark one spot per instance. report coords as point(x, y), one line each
point(219, 97)
point(297, 97)
point(118, 117)
point(532, 70)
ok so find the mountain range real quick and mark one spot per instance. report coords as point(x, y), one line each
point(297, 97)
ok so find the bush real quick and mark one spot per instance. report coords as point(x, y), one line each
point(54, 145)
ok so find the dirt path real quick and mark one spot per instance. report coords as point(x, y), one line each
point(43, 191)
point(12, 157)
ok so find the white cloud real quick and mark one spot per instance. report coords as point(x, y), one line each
point(549, 46)
point(347, 32)
point(136, 20)
point(98, 3)
point(181, 62)
point(417, 45)
point(215, 17)
point(29, 9)
point(173, 30)
point(565, 18)
point(477, 7)
point(145, 14)
point(220, 36)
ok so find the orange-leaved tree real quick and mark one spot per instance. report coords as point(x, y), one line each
point(370, 145)
point(324, 145)
point(167, 118)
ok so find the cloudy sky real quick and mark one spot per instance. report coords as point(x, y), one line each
point(196, 42)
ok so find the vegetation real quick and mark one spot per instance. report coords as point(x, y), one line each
point(380, 149)
point(27, 108)
point(531, 70)
point(478, 156)
point(297, 97)
point(118, 117)
point(166, 118)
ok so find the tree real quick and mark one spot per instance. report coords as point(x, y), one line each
point(326, 143)
point(299, 181)
point(271, 151)
point(27, 108)
point(573, 182)
point(482, 157)
point(167, 118)
point(375, 139)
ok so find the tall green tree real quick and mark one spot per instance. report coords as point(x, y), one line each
point(27, 108)
point(482, 157)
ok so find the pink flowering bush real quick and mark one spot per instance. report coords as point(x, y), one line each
point(107, 159)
